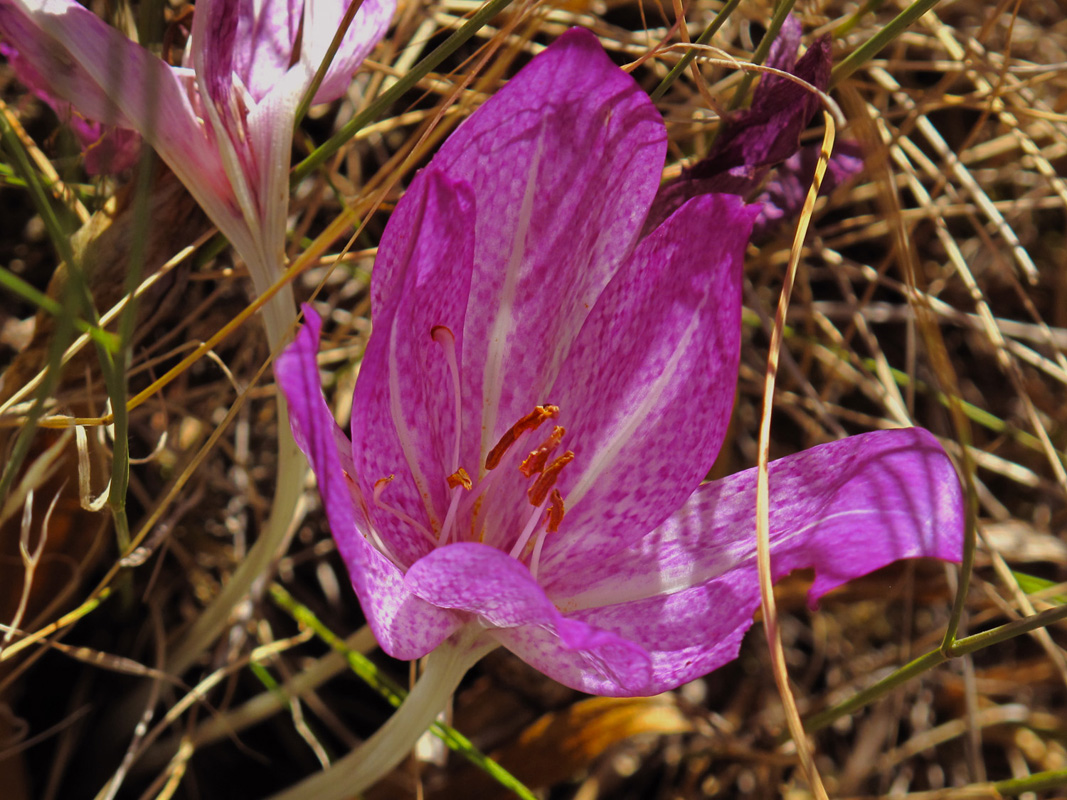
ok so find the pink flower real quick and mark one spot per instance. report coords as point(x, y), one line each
point(544, 392)
point(223, 121)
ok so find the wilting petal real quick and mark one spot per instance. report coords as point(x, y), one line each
point(752, 141)
point(785, 192)
point(404, 625)
point(403, 411)
point(563, 162)
point(503, 595)
point(769, 131)
point(647, 390)
point(783, 52)
point(686, 593)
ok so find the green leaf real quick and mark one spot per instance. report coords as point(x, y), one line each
point(1031, 584)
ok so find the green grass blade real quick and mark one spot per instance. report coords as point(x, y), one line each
point(869, 49)
point(397, 90)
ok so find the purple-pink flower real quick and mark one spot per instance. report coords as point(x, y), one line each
point(545, 391)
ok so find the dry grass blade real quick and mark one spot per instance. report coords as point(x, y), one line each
point(770, 612)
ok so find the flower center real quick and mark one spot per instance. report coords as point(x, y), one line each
point(470, 498)
point(546, 500)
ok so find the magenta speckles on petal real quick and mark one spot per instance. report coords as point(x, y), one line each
point(405, 626)
point(404, 420)
point(518, 310)
point(502, 594)
point(843, 509)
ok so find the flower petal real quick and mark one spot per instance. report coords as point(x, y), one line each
point(88, 64)
point(265, 41)
point(404, 625)
point(107, 149)
point(37, 30)
point(752, 141)
point(783, 52)
point(268, 148)
point(501, 592)
point(647, 389)
point(784, 195)
point(404, 407)
point(223, 106)
point(321, 21)
point(687, 591)
point(769, 131)
point(563, 162)
point(108, 78)
point(214, 44)
point(253, 139)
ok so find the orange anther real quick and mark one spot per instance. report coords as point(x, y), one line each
point(437, 331)
point(555, 511)
point(547, 479)
point(379, 486)
point(530, 422)
point(535, 462)
point(460, 478)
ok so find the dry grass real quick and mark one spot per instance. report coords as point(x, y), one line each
point(932, 290)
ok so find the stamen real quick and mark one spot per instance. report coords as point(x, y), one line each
point(444, 337)
point(530, 422)
point(532, 523)
point(472, 502)
point(460, 478)
point(368, 525)
point(535, 559)
point(357, 495)
point(555, 511)
point(547, 479)
point(450, 516)
point(379, 487)
point(535, 462)
point(555, 517)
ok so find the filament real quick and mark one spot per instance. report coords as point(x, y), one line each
point(379, 488)
point(444, 337)
point(527, 532)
